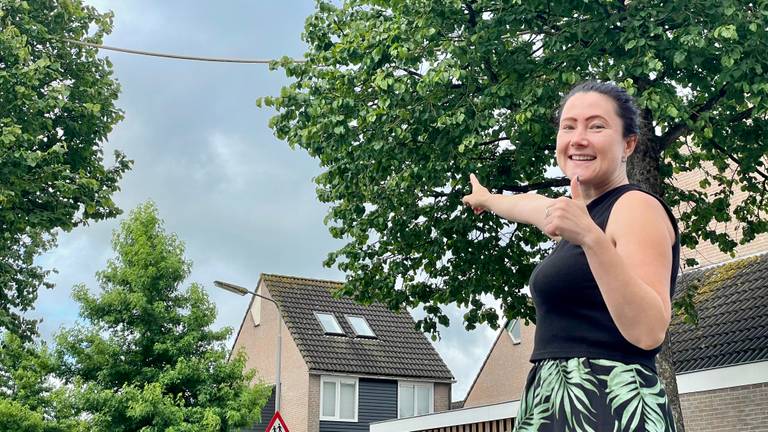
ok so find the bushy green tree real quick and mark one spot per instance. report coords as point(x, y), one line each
point(56, 109)
point(145, 356)
point(30, 399)
point(401, 100)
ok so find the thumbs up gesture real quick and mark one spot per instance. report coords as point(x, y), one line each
point(569, 218)
point(479, 197)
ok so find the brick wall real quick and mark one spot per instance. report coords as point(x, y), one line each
point(736, 409)
point(313, 399)
point(260, 343)
point(295, 376)
point(503, 376)
point(442, 397)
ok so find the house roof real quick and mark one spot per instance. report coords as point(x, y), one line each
point(732, 305)
point(398, 350)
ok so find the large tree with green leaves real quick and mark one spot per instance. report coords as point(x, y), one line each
point(56, 109)
point(401, 100)
point(145, 356)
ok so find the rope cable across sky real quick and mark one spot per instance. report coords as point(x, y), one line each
point(173, 56)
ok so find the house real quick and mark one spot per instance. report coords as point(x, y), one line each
point(721, 363)
point(343, 365)
point(496, 381)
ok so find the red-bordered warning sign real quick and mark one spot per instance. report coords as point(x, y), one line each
point(277, 424)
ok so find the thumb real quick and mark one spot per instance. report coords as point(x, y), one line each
point(576, 189)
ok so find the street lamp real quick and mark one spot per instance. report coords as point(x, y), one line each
point(243, 291)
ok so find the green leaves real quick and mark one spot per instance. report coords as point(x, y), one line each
point(727, 31)
point(17, 417)
point(642, 402)
point(29, 401)
point(567, 385)
point(56, 109)
point(401, 101)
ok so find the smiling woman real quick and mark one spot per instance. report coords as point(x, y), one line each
point(603, 295)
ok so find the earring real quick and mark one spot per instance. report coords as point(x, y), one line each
point(623, 159)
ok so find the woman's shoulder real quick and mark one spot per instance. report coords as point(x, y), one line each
point(638, 209)
point(636, 197)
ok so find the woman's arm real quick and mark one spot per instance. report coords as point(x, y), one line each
point(632, 263)
point(524, 208)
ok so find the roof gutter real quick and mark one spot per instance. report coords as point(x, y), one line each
point(383, 377)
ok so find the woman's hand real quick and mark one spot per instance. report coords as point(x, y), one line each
point(569, 218)
point(479, 197)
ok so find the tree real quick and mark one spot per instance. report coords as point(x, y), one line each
point(145, 357)
point(56, 109)
point(29, 401)
point(401, 100)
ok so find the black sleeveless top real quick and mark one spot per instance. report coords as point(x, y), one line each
point(572, 320)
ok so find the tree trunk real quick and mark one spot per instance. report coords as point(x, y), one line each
point(667, 375)
point(643, 169)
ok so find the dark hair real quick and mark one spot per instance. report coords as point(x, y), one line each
point(625, 104)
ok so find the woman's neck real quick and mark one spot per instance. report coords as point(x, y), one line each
point(590, 192)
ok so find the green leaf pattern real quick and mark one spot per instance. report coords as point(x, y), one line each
point(569, 394)
point(626, 385)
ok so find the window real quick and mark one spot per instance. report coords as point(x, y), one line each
point(414, 399)
point(329, 323)
point(338, 398)
point(513, 328)
point(256, 310)
point(360, 326)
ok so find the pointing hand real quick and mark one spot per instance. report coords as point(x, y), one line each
point(478, 199)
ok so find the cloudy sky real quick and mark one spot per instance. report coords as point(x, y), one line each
point(241, 200)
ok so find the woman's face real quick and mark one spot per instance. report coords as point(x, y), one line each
point(590, 142)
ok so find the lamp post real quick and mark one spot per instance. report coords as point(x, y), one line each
point(243, 291)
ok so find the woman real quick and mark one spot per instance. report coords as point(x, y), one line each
point(603, 296)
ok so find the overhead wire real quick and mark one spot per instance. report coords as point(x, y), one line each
point(172, 56)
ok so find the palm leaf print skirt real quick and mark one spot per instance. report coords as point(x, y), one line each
point(593, 395)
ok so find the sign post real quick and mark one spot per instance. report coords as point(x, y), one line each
point(277, 424)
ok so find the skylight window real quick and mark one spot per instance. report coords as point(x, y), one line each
point(360, 326)
point(329, 323)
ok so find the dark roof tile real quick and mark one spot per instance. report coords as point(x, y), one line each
point(732, 303)
point(398, 350)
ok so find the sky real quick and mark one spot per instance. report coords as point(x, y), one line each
point(242, 201)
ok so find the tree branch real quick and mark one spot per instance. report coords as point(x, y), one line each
point(415, 74)
point(739, 117)
point(472, 18)
point(547, 184)
point(412, 72)
point(472, 21)
point(681, 129)
point(493, 141)
point(516, 188)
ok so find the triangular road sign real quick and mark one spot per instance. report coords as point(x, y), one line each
point(277, 424)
